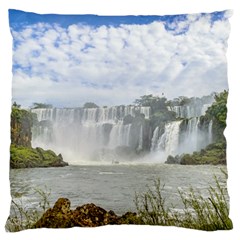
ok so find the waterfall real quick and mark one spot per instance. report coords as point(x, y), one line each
point(154, 141)
point(145, 111)
point(193, 137)
point(210, 131)
point(193, 133)
point(193, 107)
point(83, 131)
point(168, 142)
point(170, 138)
point(140, 144)
point(189, 111)
point(119, 135)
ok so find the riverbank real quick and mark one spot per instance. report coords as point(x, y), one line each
point(28, 157)
point(22, 154)
point(213, 154)
point(208, 213)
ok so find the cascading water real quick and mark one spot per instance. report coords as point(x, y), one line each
point(168, 142)
point(79, 132)
point(193, 136)
point(154, 142)
point(119, 135)
point(193, 133)
point(84, 133)
point(140, 144)
point(195, 108)
point(210, 131)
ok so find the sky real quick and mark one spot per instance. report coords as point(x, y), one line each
point(67, 60)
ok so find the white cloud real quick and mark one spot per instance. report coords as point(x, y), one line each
point(115, 65)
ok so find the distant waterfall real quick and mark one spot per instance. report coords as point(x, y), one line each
point(193, 134)
point(170, 138)
point(86, 133)
point(140, 143)
point(119, 135)
point(195, 108)
point(210, 131)
point(193, 137)
point(155, 138)
point(81, 131)
point(103, 115)
point(168, 142)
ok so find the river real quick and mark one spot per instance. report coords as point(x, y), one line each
point(112, 186)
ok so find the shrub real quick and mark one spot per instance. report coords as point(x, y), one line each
point(20, 218)
point(198, 212)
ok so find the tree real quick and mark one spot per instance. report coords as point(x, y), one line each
point(155, 102)
point(90, 105)
point(218, 110)
point(41, 105)
point(182, 100)
point(218, 114)
point(15, 105)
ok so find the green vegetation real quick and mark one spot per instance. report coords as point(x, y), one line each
point(15, 105)
point(218, 110)
point(26, 157)
point(204, 213)
point(182, 100)
point(21, 123)
point(218, 113)
point(41, 105)
point(214, 154)
point(201, 213)
point(90, 105)
point(159, 111)
point(22, 155)
point(21, 218)
point(21, 115)
point(155, 102)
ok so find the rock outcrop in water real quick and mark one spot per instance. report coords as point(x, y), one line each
point(88, 215)
point(22, 155)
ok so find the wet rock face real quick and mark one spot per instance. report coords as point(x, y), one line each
point(22, 155)
point(88, 215)
point(21, 123)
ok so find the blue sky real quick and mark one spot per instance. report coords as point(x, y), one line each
point(68, 60)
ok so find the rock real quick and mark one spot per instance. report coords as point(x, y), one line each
point(129, 218)
point(128, 119)
point(60, 216)
point(90, 215)
point(22, 155)
point(21, 123)
point(173, 160)
point(87, 215)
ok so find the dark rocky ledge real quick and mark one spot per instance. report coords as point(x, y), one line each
point(88, 215)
